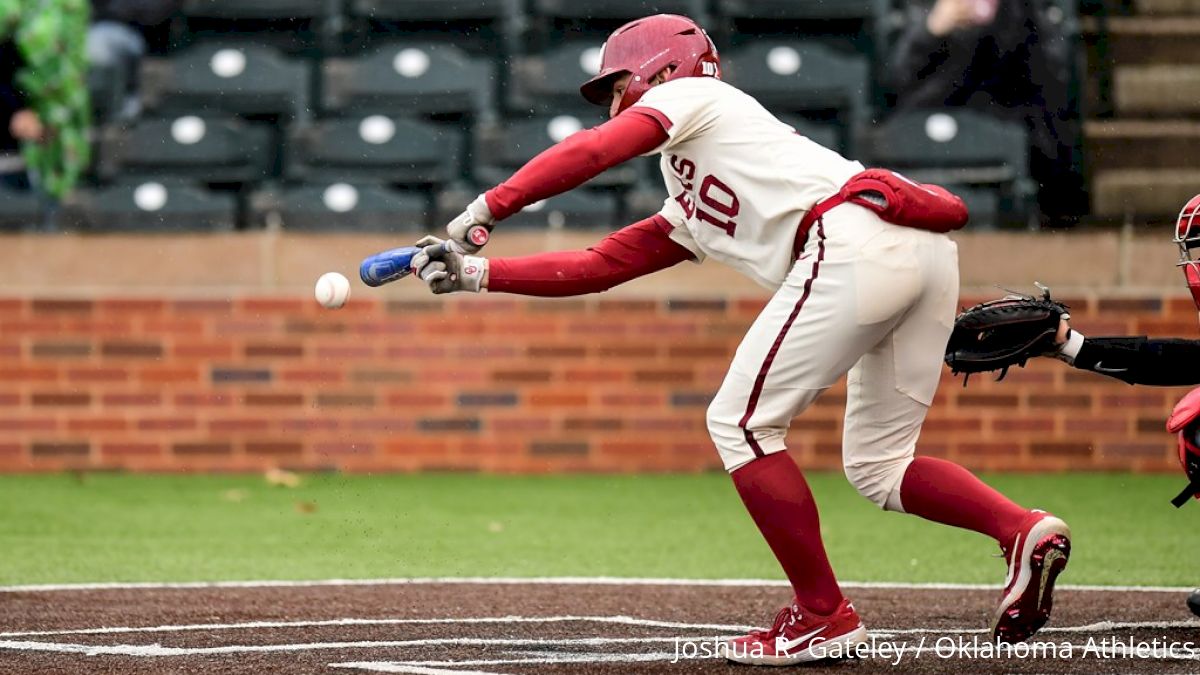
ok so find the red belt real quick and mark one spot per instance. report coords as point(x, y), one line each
point(814, 214)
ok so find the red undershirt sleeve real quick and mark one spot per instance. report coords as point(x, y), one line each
point(631, 252)
point(578, 158)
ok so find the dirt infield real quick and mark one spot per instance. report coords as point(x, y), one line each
point(437, 628)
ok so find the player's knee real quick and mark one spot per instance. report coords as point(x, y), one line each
point(879, 480)
point(734, 442)
point(725, 433)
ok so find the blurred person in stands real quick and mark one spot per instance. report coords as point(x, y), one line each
point(43, 95)
point(17, 122)
point(1008, 58)
point(116, 41)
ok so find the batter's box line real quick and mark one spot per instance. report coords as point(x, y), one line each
point(1098, 627)
point(454, 667)
point(156, 650)
point(251, 625)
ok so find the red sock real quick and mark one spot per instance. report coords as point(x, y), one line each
point(778, 499)
point(944, 492)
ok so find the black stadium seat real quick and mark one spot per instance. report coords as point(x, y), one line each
point(493, 28)
point(375, 148)
point(549, 82)
point(20, 210)
point(434, 10)
point(966, 146)
point(956, 147)
point(797, 76)
point(502, 148)
point(257, 9)
point(295, 26)
point(577, 209)
point(983, 204)
point(802, 9)
point(106, 86)
point(239, 78)
point(828, 135)
point(409, 77)
point(150, 206)
point(861, 23)
point(554, 21)
point(339, 205)
point(620, 10)
point(209, 149)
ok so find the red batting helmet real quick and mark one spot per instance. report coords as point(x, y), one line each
point(643, 48)
point(1185, 421)
point(1187, 237)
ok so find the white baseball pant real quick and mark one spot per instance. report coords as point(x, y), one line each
point(867, 298)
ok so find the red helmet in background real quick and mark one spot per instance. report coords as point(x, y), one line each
point(1187, 237)
point(643, 48)
point(1185, 421)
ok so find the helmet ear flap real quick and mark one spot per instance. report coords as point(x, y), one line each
point(1185, 423)
point(1191, 467)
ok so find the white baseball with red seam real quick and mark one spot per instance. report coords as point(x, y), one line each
point(333, 290)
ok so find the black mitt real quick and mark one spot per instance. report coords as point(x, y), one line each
point(1003, 333)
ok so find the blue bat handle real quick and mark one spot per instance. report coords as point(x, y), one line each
point(388, 266)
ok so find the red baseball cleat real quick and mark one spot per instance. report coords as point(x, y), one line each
point(800, 636)
point(1036, 557)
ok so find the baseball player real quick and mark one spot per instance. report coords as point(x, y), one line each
point(864, 284)
point(1167, 362)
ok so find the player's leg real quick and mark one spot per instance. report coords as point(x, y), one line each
point(803, 342)
point(888, 394)
point(880, 437)
point(748, 419)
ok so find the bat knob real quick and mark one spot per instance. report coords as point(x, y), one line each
point(478, 237)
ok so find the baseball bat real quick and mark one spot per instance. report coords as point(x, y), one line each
point(386, 267)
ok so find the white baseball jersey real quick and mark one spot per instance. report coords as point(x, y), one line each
point(739, 180)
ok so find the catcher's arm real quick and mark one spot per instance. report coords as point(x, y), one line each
point(1162, 362)
point(636, 250)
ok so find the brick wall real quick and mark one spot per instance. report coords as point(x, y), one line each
point(493, 383)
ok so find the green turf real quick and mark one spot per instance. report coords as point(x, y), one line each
point(155, 528)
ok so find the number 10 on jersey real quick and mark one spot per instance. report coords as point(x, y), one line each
point(718, 203)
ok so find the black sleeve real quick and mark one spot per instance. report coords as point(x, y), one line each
point(11, 98)
point(924, 70)
point(1163, 362)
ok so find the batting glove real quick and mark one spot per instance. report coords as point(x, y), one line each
point(445, 269)
point(472, 229)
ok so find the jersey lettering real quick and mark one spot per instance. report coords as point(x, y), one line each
point(723, 201)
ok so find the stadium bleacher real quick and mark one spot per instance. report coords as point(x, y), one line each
point(412, 103)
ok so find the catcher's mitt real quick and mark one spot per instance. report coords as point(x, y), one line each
point(1002, 333)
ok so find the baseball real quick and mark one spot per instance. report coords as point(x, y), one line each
point(333, 290)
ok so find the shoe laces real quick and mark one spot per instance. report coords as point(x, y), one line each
point(785, 617)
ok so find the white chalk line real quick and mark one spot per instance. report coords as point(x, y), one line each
point(154, 650)
point(619, 620)
point(544, 581)
point(614, 620)
point(447, 667)
point(1098, 627)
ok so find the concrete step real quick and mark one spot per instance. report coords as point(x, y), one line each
point(1138, 40)
point(1167, 7)
point(1156, 90)
point(1141, 193)
point(1142, 144)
